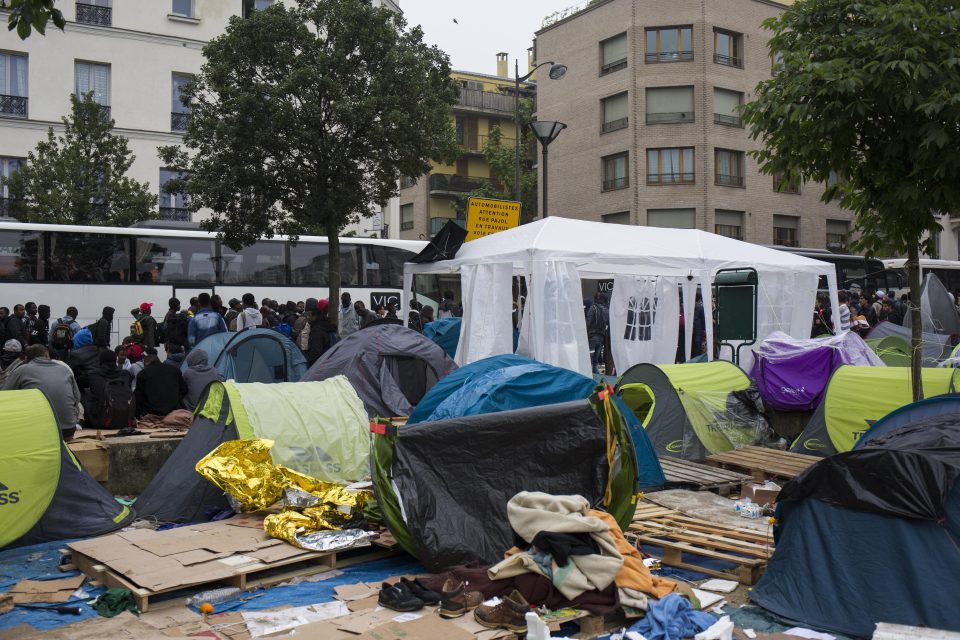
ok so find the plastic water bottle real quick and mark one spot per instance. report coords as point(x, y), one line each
point(213, 596)
point(752, 511)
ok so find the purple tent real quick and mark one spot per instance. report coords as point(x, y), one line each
point(792, 373)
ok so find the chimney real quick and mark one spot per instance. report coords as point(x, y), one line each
point(503, 67)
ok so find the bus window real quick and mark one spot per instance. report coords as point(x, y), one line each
point(309, 266)
point(261, 263)
point(20, 256)
point(384, 266)
point(89, 257)
point(169, 260)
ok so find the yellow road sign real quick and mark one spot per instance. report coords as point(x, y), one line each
point(486, 217)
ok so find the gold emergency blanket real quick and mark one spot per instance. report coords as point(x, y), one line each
point(315, 513)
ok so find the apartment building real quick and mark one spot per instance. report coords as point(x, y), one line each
point(485, 102)
point(134, 55)
point(653, 135)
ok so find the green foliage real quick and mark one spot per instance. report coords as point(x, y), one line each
point(80, 176)
point(306, 114)
point(27, 15)
point(868, 90)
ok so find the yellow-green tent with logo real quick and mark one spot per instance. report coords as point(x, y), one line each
point(692, 410)
point(45, 494)
point(856, 397)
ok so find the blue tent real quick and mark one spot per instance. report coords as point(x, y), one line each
point(444, 332)
point(872, 535)
point(254, 355)
point(908, 414)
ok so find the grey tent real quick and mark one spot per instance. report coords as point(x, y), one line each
point(936, 346)
point(390, 367)
point(937, 309)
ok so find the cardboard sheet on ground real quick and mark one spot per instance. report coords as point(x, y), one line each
point(427, 627)
point(43, 591)
point(358, 591)
point(265, 623)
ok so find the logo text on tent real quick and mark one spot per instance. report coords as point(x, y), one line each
point(675, 447)
point(813, 444)
point(7, 496)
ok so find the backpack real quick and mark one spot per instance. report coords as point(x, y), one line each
point(136, 329)
point(175, 329)
point(117, 408)
point(285, 329)
point(595, 323)
point(62, 336)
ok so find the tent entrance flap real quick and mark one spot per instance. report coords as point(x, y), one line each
point(414, 376)
point(720, 421)
point(641, 400)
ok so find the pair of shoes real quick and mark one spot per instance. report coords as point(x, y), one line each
point(406, 595)
point(455, 600)
point(510, 614)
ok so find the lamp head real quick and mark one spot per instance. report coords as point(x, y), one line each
point(546, 130)
point(557, 71)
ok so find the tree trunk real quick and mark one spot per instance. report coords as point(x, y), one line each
point(916, 338)
point(333, 261)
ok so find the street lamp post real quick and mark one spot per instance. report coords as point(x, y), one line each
point(546, 132)
point(557, 71)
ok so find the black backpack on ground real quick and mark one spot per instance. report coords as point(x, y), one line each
point(117, 407)
point(62, 337)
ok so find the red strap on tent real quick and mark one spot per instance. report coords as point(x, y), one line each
point(378, 428)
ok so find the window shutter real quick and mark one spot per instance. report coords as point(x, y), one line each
point(729, 218)
point(672, 218)
point(615, 49)
point(670, 100)
point(615, 107)
point(786, 222)
point(726, 102)
point(839, 227)
point(101, 84)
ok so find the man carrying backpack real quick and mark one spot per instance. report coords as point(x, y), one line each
point(110, 402)
point(61, 335)
point(175, 324)
point(145, 332)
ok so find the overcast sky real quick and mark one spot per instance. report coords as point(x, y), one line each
point(482, 28)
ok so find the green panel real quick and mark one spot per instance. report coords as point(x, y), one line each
point(29, 461)
point(212, 403)
point(641, 399)
point(238, 413)
point(736, 313)
point(718, 375)
point(381, 463)
point(624, 485)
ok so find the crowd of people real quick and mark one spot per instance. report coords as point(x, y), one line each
point(859, 311)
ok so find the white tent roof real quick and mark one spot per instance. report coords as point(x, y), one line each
point(609, 248)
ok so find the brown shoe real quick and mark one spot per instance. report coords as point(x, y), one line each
point(509, 614)
point(455, 601)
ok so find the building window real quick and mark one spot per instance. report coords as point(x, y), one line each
point(621, 217)
point(94, 78)
point(406, 182)
point(669, 104)
point(613, 54)
point(776, 63)
point(615, 113)
point(98, 12)
point(726, 105)
point(785, 231)
point(8, 167)
point(249, 6)
point(728, 224)
point(182, 8)
point(670, 44)
point(13, 85)
point(672, 218)
point(670, 166)
point(179, 112)
point(173, 206)
point(728, 48)
point(729, 168)
point(615, 175)
point(782, 185)
point(838, 235)
point(406, 217)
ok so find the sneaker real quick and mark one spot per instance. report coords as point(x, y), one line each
point(416, 588)
point(510, 614)
point(455, 601)
point(398, 597)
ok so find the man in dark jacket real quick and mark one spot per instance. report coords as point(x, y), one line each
point(321, 333)
point(41, 329)
point(175, 324)
point(148, 326)
point(106, 372)
point(160, 387)
point(84, 359)
point(103, 328)
point(17, 325)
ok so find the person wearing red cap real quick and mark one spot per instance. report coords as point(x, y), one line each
point(134, 362)
point(144, 326)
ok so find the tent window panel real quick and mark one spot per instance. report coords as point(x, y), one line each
point(725, 103)
point(728, 224)
point(670, 166)
point(613, 54)
point(670, 104)
point(640, 399)
point(615, 109)
point(21, 257)
point(262, 263)
point(169, 260)
point(641, 316)
point(672, 218)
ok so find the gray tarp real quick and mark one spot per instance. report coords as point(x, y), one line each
point(937, 308)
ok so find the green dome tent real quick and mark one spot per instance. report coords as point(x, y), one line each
point(893, 350)
point(856, 397)
point(44, 492)
point(692, 410)
point(318, 428)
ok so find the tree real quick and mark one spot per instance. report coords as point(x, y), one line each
point(26, 15)
point(80, 176)
point(500, 157)
point(304, 115)
point(865, 97)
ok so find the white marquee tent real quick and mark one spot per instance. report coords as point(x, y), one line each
point(650, 267)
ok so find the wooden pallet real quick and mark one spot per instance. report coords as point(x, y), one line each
point(702, 477)
point(680, 536)
point(763, 463)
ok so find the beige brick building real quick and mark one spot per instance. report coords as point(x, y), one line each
point(653, 137)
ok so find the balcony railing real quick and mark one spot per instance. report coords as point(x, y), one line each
point(486, 101)
point(674, 116)
point(94, 14)
point(730, 121)
point(439, 223)
point(444, 182)
point(175, 213)
point(14, 106)
point(728, 61)
point(477, 145)
point(615, 125)
point(729, 181)
point(613, 184)
point(669, 56)
point(179, 121)
point(616, 65)
point(684, 177)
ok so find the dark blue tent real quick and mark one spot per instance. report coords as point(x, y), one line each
point(444, 332)
point(908, 414)
point(872, 535)
point(254, 355)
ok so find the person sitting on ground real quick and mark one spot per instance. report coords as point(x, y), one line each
point(198, 375)
point(55, 380)
point(251, 316)
point(109, 391)
point(84, 358)
point(10, 358)
point(134, 363)
point(175, 355)
point(160, 387)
